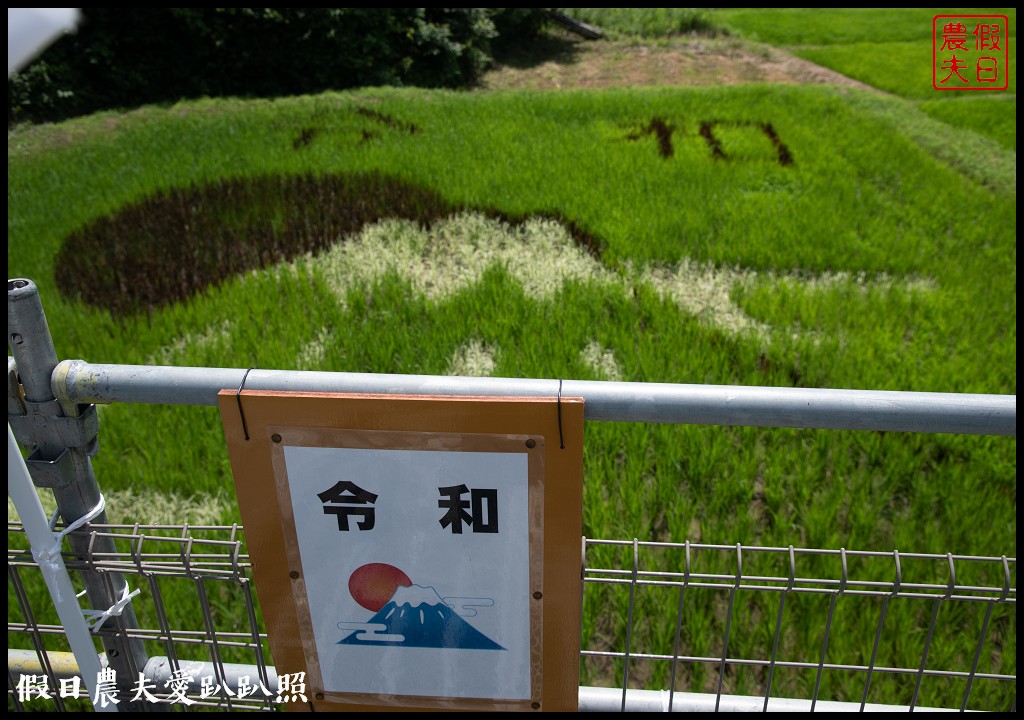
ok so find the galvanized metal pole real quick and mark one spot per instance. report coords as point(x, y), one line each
point(823, 408)
point(20, 490)
point(594, 699)
point(62, 439)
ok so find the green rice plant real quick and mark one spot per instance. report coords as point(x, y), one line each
point(956, 147)
point(993, 117)
point(645, 22)
point(886, 48)
point(902, 68)
point(839, 26)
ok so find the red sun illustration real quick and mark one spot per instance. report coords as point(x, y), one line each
point(373, 584)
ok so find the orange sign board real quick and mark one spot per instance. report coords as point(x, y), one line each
point(416, 552)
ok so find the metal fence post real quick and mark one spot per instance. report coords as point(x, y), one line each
point(62, 439)
point(58, 582)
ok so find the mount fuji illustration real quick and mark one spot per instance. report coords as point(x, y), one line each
point(417, 616)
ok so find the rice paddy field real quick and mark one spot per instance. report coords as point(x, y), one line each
point(889, 49)
point(777, 235)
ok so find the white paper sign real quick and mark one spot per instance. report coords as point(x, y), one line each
point(416, 569)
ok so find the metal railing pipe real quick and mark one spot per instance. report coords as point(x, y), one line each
point(76, 381)
point(593, 699)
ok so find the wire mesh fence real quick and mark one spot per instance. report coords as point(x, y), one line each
point(187, 578)
point(799, 623)
point(753, 628)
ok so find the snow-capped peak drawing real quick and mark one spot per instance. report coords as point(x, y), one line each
point(416, 616)
point(416, 595)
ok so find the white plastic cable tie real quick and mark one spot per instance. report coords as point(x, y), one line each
point(95, 618)
point(47, 556)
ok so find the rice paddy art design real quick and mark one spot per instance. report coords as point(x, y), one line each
point(355, 229)
point(663, 131)
point(172, 245)
point(368, 134)
point(454, 253)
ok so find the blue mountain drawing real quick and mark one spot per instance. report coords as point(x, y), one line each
point(419, 616)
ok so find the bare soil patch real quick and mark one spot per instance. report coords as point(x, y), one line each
point(562, 62)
